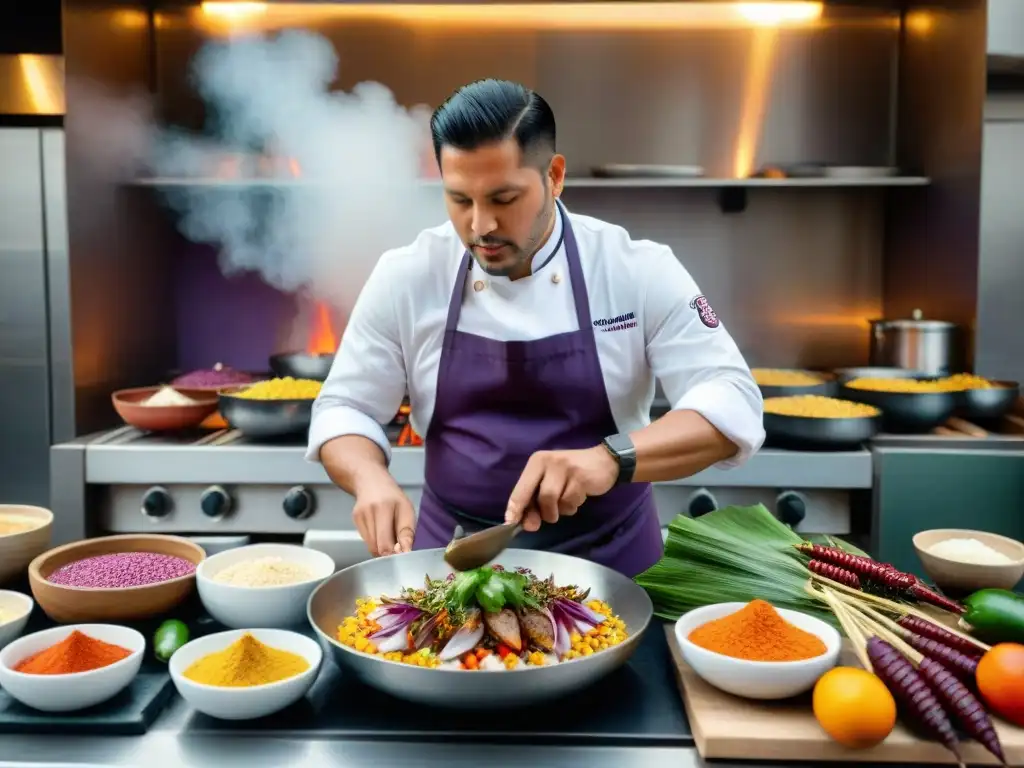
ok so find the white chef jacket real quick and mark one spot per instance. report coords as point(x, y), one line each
point(640, 305)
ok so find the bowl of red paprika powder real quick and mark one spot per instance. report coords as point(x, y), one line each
point(755, 650)
point(65, 669)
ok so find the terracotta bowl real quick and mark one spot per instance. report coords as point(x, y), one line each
point(967, 577)
point(17, 550)
point(163, 418)
point(70, 605)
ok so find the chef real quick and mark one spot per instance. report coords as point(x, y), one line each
point(529, 339)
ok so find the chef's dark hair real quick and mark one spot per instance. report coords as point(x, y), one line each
point(491, 110)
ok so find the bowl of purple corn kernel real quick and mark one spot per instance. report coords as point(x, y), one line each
point(115, 578)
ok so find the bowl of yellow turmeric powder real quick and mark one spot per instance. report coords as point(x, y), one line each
point(755, 650)
point(243, 674)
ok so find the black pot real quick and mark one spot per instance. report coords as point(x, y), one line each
point(807, 432)
point(266, 418)
point(989, 403)
point(907, 412)
point(300, 365)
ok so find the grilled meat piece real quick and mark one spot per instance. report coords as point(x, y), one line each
point(504, 626)
point(539, 629)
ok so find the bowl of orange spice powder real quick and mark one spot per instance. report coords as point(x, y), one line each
point(755, 650)
point(68, 668)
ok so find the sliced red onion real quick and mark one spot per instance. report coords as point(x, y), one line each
point(396, 642)
point(465, 639)
point(562, 640)
point(581, 613)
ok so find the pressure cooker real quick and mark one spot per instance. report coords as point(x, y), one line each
point(929, 346)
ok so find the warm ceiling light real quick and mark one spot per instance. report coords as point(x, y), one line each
point(587, 15)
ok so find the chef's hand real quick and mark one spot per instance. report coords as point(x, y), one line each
point(556, 483)
point(385, 517)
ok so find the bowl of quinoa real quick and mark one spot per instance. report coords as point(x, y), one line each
point(115, 578)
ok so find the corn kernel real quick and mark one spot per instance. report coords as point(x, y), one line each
point(586, 650)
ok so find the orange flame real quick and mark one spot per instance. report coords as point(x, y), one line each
point(323, 339)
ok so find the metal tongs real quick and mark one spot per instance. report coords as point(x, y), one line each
point(464, 553)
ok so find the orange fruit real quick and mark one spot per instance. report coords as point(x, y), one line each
point(854, 707)
point(1000, 679)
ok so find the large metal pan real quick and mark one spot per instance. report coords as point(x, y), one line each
point(336, 598)
point(266, 418)
point(801, 432)
point(989, 403)
point(299, 365)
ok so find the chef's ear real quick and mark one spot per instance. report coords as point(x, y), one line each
point(556, 174)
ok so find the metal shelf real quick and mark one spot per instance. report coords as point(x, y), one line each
point(584, 182)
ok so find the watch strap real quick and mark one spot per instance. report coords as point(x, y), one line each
point(624, 452)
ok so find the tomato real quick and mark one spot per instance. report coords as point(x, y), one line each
point(1000, 680)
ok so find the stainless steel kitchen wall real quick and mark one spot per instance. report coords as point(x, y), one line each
point(1000, 328)
point(25, 407)
point(931, 246)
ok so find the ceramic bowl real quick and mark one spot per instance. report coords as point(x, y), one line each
point(968, 577)
point(69, 693)
point(17, 550)
point(129, 404)
point(17, 608)
point(239, 607)
point(77, 604)
point(757, 679)
point(254, 701)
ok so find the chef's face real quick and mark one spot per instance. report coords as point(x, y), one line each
point(502, 207)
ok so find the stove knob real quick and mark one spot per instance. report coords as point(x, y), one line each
point(215, 502)
point(791, 508)
point(157, 502)
point(701, 503)
point(298, 503)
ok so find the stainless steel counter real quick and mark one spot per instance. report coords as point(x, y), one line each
point(153, 460)
point(169, 744)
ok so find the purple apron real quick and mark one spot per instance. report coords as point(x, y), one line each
point(500, 402)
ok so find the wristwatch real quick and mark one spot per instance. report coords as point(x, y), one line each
point(624, 452)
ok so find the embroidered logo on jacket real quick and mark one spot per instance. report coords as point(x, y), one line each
point(705, 312)
point(617, 323)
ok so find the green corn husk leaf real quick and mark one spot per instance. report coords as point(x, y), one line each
point(734, 554)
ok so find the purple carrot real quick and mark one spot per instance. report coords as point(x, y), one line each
point(923, 594)
point(834, 573)
point(934, 632)
point(961, 665)
point(963, 705)
point(909, 687)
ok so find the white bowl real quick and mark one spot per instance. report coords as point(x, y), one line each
point(20, 607)
point(241, 607)
point(757, 679)
point(255, 701)
point(68, 693)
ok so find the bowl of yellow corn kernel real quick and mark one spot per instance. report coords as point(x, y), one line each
point(814, 421)
point(272, 408)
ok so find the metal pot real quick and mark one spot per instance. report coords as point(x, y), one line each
point(931, 347)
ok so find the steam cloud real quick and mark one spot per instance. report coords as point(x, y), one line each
point(359, 154)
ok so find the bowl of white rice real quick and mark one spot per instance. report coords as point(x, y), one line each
point(261, 585)
point(961, 560)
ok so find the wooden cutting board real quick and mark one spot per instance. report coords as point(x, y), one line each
point(728, 727)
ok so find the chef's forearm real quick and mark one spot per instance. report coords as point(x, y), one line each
point(679, 444)
point(353, 461)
